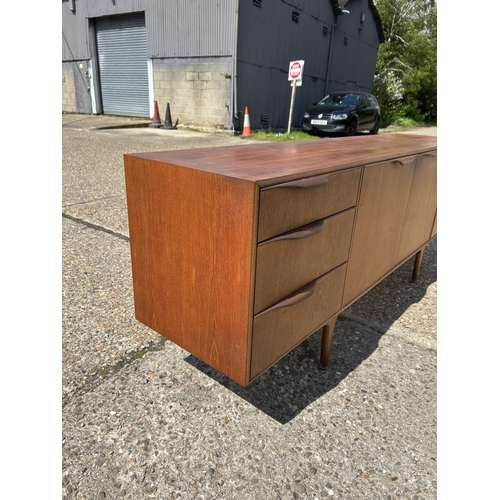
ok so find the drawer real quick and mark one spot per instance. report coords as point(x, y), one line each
point(287, 206)
point(289, 261)
point(280, 328)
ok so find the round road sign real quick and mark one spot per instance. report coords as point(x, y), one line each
point(295, 72)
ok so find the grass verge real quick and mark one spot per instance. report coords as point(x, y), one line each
point(269, 135)
point(300, 135)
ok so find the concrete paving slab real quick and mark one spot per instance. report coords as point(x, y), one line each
point(167, 427)
point(100, 332)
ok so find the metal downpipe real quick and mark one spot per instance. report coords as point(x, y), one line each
point(234, 92)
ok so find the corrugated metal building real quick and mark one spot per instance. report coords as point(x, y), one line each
point(209, 59)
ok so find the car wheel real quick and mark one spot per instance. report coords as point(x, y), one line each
point(375, 128)
point(352, 128)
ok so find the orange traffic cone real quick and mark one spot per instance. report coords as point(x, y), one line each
point(156, 117)
point(247, 131)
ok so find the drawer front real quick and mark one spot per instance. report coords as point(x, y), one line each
point(293, 204)
point(280, 328)
point(291, 260)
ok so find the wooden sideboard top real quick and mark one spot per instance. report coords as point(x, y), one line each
point(271, 163)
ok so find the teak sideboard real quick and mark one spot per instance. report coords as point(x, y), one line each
point(240, 253)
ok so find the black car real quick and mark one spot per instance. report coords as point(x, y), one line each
point(343, 113)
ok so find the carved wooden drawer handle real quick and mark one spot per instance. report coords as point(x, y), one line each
point(305, 232)
point(307, 183)
point(405, 161)
point(303, 294)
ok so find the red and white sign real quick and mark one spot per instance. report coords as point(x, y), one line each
point(295, 70)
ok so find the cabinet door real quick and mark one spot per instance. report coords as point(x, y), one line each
point(379, 224)
point(422, 205)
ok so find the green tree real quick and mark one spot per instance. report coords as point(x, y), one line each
point(405, 80)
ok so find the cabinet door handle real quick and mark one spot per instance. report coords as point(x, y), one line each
point(301, 295)
point(405, 161)
point(307, 183)
point(299, 234)
point(433, 155)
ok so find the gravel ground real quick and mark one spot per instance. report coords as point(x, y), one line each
point(142, 418)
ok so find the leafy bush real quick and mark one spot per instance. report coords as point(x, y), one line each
point(405, 80)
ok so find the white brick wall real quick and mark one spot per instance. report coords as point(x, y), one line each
point(68, 89)
point(196, 90)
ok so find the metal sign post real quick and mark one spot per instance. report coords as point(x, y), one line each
point(292, 105)
point(295, 72)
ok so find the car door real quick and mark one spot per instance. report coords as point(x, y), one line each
point(364, 115)
point(374, 110)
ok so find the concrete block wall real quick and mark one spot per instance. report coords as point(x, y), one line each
point(198, 91)
point(68, 89)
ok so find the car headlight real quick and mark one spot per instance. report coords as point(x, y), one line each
point(339, 117)
point(306, 115)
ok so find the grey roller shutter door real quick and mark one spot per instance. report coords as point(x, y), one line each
point(123, 65)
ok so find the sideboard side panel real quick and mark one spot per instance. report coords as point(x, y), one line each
point(191, 240)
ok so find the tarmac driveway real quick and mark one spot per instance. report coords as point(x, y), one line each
point(142, 418)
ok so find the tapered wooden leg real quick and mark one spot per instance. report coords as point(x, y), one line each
point(416, 265)
point(326, 341)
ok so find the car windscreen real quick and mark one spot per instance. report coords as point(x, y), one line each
point(340, 99)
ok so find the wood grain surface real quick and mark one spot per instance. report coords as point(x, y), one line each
point(292, 204)
point(291, 232)
point(280, 328)
point(273, 163)
point(192, 250)
point(422, 206)
point(379, 223)
point(292, 260)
